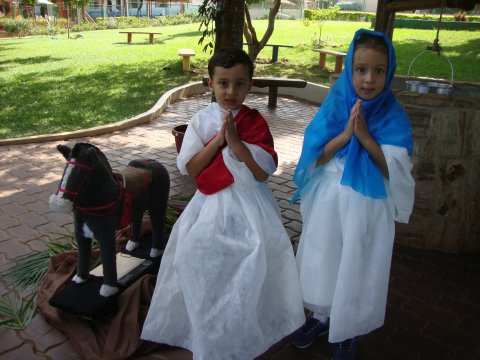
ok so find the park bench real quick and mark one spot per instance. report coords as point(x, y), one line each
point(339, 56)
point(150, 33)
point(273, 84)
point(275, 50)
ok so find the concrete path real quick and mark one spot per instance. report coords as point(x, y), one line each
point(433, 307)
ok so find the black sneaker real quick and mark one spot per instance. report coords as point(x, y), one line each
point(345, 350)
point(306, 335)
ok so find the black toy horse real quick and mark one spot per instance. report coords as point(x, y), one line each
point(103, 201)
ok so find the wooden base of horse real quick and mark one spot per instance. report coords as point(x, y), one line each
point(103, 201)
point(84, 299)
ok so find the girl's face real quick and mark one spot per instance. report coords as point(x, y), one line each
point(369, 72)
point(230, 86)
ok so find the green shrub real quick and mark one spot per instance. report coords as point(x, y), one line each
point(52, 29)
point(132, 22)
point(20, 27)
point(309, 14)
point(334, 13)
point(330, 13)
point(4, 21)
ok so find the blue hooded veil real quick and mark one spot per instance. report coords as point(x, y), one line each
point(386, 120)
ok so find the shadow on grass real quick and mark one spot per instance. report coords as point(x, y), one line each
point(142, 39)
point(60, 101)
point(31, 60)
point(139, 42)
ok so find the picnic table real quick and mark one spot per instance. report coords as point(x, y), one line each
point(150, 33)
point(275, 50)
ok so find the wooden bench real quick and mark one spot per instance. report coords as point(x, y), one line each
point(273, 84)
point(151, 35)
point(275, 50)
point(339, 56)
point(186, 53)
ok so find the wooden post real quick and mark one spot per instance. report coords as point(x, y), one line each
point(323, 58)
point(186, 53)
point(272, 96)
point(384, 21)
point(338, 64)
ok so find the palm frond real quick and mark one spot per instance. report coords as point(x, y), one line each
point(55, 246)
point(16, 312)
point(29, 269)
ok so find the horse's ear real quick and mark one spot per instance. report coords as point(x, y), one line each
point(92, 154)
point(64, 150)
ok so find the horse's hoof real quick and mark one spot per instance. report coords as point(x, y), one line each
point(131, 245)
point(155, 253)
point(107, 290)
point(78, 280)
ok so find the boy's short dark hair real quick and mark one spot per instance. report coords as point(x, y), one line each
point(228, 57)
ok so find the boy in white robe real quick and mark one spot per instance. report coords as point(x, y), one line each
point(228, 286)
point(354, 179)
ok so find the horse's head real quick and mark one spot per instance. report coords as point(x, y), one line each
point(82, 161)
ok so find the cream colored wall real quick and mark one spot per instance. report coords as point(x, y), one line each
point(370, 5)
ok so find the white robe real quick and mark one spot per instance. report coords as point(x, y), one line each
point(228, 286)
point(345, 249)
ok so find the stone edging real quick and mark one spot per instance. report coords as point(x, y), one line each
point(312, 92)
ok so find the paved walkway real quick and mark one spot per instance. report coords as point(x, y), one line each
point(434, 300)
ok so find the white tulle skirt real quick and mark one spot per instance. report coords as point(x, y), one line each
point(227, 287)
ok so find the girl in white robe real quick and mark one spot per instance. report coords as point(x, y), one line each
point(354, 179)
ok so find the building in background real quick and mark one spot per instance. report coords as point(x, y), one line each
point(99, 8)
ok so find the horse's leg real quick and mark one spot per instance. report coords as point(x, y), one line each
point(106, 239)
point(83, 236)
point(158, 204)
point(134, 241)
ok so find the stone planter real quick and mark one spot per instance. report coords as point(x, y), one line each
point(446, 158)
point(446, 134)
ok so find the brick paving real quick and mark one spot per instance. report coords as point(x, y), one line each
point(433, 309)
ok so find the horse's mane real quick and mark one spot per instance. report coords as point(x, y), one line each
point(79, 147)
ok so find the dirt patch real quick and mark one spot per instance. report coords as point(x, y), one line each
point(4, 34)
point(269, 61)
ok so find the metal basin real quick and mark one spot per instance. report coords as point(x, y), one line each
point(428, 87)
point(439, 88)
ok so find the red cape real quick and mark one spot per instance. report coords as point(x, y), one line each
point(253, 129)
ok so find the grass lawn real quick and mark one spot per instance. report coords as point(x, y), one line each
point(50, 85)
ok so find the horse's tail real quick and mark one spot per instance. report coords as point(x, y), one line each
point(158, 198)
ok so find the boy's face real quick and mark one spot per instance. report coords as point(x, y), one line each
point(230, 86)
point(369, 72)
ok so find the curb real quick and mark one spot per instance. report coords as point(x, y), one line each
point(312, 92)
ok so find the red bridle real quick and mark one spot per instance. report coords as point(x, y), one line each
point(91, 210)
point(80, 165)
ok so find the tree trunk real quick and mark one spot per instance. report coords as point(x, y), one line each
point(229, 24)
point(255, 46)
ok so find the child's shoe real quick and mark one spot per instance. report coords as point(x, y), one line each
point(345, 350)
point(306, 335)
